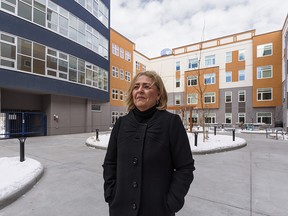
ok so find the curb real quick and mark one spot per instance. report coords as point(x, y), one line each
point(14, 195)
point(202, 152)
point(212, 151)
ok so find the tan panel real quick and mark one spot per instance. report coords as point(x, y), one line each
point(275, 60)
point(201, 87)
point(117, 61)
point(235, 66)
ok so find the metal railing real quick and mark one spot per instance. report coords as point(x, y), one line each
point(14, 124)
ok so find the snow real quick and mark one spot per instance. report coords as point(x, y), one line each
point(214, 142)
point(15, 174)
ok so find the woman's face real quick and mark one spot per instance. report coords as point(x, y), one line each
point(145, 93)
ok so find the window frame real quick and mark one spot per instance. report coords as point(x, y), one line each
point(263, 116)
point(193, 63)
point(262, 48)
point(241, 75)
point(211, 95)
point(228, 116)
point(211, 77)
point(241, 55)
point(262, 91)
point(227, 95)
point(261, 70)
point(192, 98)
point(210, 60)
point(228, 57)
point(191, 80)
point(241, 93)
point(228, 74)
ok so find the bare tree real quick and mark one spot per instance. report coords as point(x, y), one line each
point(200, 88)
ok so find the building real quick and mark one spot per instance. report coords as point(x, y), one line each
point(239, 78)
point(121, 67)
point(54, 61)
point(285, 72)
point(64, 67)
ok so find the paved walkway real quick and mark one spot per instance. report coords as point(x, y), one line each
point(244, 182)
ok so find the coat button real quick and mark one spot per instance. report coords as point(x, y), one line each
point(134, 206)
point(134, 184)
point(135, 161)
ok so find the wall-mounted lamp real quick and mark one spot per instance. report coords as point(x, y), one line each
point(56, 117)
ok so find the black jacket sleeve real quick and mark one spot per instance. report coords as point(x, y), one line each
point(110, 164)
point(183, 164)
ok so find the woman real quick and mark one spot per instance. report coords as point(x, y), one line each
point(148, 167)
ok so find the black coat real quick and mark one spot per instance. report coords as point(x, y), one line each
point(148, 167)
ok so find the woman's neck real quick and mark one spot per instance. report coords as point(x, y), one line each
point(144, 116)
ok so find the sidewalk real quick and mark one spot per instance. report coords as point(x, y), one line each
point(244, 182)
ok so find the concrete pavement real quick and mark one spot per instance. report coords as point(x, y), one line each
point(250, 181)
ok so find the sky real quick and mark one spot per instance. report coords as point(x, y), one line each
point(154, 25)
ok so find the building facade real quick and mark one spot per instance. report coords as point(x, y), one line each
point(121, 67)
point(54, 59)
point(236, 78)
point(62, 59)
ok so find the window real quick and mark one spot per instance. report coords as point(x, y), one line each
point(241, 55)
point(127, 76)
point(97, 9)
point(264, 72)
point(228, 57)
point(25, 9)
point(228, 76)
point(192, 80)
point(42, 60)
point(228, 97)
point(137, 65)
point(8, 5)
point(210, 60)
point(241, 75)
point(127, 56)
point(39, 10)
point(209, 97)
point(55, 18)
point(115, 72)
point(192, 98)
point(121, 95)
point(121, 74)
point(8, 51)
point(194, 117)
point(210, 118)
point(228, 118)
point(177, 100)
point(264, 117)
point(177, 82)
point(178, 65)
point(241, 96)
point(115, 49)
point(264, 94)
point(24, 53)
point(121, 53)
point(114, 117)
point(193, 63)
point(143, 68)
point(114, 94)
point(264, 50)
point(96, 107)
point(241, 117)
point(209, 79)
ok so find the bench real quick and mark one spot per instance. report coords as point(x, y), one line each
point(273, 132)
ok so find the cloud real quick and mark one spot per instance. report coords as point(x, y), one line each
point(157, 24)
